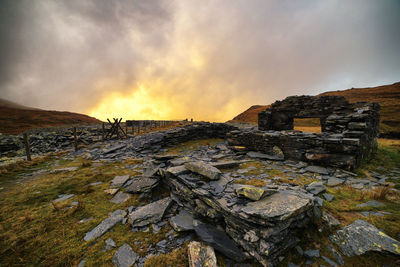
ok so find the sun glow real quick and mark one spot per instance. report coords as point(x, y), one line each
point(138, 105)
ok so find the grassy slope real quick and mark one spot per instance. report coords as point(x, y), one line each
point(15, 121)
point(35, 233)
point(387, 95)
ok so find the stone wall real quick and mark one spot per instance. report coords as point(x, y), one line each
point(349, 131)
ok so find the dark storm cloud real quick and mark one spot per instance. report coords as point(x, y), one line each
point(210, 59)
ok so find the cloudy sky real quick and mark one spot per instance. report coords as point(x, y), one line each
point(210, 60)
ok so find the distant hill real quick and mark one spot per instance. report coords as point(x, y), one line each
point(387, 95)
point(16, 118)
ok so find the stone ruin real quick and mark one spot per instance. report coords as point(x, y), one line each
point(348, 131)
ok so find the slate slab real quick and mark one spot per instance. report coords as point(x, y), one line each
point(317, 169)
point(63, 197)
point(258, 155)
point(105, 225)
point(218, 240)
point(333, 181)
point(279, 206)
point(204, 169)
point(119, 181)
point(120, 197)
point(150, 213)
point(371, 203)
point(182, 222)
point(142, 185)
point(125, 256)
point(316, 187)
point(361, 236)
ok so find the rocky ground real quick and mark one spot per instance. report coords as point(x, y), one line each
point(131, 202)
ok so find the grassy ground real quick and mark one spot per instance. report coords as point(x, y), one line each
point(33, 232)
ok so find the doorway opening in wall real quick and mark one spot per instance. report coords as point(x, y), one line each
point(310, 125)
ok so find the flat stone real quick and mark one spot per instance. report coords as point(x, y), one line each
point(111, 191)
point(279, 206)
point(360, 237)
point(333, 181)
point(113, 149)
point(250, 192)
point(371, 203)
point(96, 183)
point(317, 169)
point(150, 169)
point(330, 262)
point(125, 256)
point(258, 155)
point(150, 213)
point(204, 169)
point(226, 164)
point(316, 187)
point(110, 244)
point(329, 220)
point(311, 253)
point(328, 197)
point(201, 255)
point(120, 197)
point(105, 225)
point(142, 185)
point(63, 197)
point(119, 181)
point(177, 170)
point(182, 222)
point(218, 240)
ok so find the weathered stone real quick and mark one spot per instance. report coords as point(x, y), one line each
point(317, 169)
point(329, 220)
point(219, 240)
point(330, 262)
point(258, 155)
point(110, 244)
point(204, 169)
point(316, 187)
point(151, 213)
point(141, 185)
point(150, 169)
point(360, 237)
point(120, 197)
point(279, 206)
point(201, 255)
point(328, 197)
point(125, 256)
point(226, 164)
point(182, 222)
point(111, 191)
point(250, 192)
point(371, 203)
point(333, 181)
point(311, 253)
point(66, 169)
point(119, 181)
point(105, 225)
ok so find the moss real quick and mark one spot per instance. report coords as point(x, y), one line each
point(253, 182)
point(178, 258)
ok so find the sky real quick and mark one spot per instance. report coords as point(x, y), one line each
point(176, 59)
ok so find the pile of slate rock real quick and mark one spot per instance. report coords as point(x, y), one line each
point(263, 221)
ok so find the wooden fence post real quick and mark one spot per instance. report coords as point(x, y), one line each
point(102, 132)
point(75, 140)
point(27, 149)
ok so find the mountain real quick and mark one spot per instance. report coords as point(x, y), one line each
point(386, 95)
point(16, 118)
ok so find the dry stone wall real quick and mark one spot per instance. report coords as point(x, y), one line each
point(349, 131)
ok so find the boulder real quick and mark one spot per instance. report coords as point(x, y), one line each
point(361, 236)
point(125, 256)
point(204, 169)
point(218, 240)
point(201, 255)
point(105, 225)
point(150, 213)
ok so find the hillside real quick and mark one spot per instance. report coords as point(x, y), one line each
point(15, 118)
point(387, 95)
